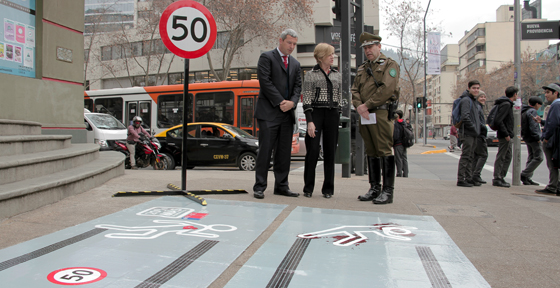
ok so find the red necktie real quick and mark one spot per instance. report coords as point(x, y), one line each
point(285, 61)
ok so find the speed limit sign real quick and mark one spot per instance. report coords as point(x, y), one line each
point(187, 29)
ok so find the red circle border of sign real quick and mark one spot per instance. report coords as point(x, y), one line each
point(165, 38)
point(50, 277)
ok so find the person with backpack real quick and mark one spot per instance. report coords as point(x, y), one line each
point(469, 130)
point(504, 124)
point(481, 147)
point(399, 145)
point(551, 138)
point(531, 133)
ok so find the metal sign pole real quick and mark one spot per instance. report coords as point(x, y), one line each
point(185, 117)
point(516, 166)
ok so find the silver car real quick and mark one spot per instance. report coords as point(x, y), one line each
point(491, 137)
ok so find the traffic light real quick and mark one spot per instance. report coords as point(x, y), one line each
point(337, 10)
point(419, 102)
point(424, 102)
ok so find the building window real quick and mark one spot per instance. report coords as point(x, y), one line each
point(247, 74)
point(175, 78)
point(106, 53)
point(223, 38)
point(478, 33)
point(142, 81)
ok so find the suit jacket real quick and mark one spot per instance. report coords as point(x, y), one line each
point(273, 77)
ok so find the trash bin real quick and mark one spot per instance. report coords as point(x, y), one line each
point(343, 149)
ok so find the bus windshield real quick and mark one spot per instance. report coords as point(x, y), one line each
point(240, 132)
point(105, 121)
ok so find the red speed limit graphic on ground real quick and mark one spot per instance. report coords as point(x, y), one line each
point(76, 276)
point(187, 29)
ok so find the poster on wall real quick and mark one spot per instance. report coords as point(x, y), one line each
point(17, 37)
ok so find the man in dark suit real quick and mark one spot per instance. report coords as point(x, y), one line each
point(280, 89)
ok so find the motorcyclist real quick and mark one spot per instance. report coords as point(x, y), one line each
point(134, 137)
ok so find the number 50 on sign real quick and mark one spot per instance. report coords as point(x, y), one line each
point(187, 29)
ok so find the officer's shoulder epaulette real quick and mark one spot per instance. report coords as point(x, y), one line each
point(362, 66)
point(390, 60)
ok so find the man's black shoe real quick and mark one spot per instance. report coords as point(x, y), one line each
point(532, 182)
point(286, 193)
point(546, 191)
point(475, 183)
point(525, 180)
point(500, 183)
point(464, 184)
point(307, 194)
point(479, 180)
point(327, 196)
point(259, 194)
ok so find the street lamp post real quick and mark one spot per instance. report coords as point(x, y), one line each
point(425, 76)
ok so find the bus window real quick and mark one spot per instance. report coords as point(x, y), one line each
point(170, 110)
point(146, 112)
point(142, 109)
point(111, 106)
point(88, 104)
point(214, 107)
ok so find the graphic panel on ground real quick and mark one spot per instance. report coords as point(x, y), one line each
point(335, 248)
point(149, 245)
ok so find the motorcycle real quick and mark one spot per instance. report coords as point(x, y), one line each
point(147, 153)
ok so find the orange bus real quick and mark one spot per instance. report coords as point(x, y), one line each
point(161, 107)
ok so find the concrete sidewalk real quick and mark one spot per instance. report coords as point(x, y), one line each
point(511, 235)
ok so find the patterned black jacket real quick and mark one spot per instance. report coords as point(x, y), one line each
point(321, 91)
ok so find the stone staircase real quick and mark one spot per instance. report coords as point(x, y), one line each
point(37, 170)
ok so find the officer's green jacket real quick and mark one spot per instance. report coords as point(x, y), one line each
point(364, 90)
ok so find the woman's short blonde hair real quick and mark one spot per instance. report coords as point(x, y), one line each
point(322, 50)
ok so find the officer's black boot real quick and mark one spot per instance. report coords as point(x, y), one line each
point(374, 175)
point(388, 181)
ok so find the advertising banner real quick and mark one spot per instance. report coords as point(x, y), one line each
point(17, 37)
point(434, 60)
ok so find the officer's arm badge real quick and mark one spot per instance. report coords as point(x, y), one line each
point(393, 72)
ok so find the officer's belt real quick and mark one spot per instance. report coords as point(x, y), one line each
point(382, 107)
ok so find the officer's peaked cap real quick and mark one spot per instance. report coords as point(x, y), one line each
point(369, 39)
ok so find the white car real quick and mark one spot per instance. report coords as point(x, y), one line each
point(103, 129)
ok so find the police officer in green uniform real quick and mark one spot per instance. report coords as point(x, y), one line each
point(374, 89)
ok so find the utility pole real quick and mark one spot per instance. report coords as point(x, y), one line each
point(346, 69)
point(425, 77)
point(358, 29)
point(516, 169)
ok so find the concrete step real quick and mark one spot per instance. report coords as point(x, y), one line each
point(26, 166)
point(28, 194)
point(19, 127)
point(17, 145)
